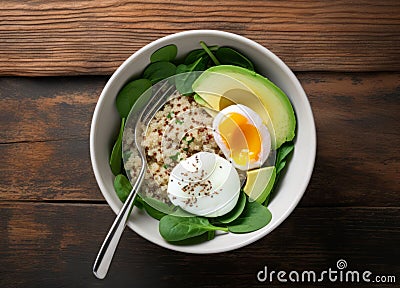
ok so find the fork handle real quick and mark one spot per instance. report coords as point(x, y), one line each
point(106, 252)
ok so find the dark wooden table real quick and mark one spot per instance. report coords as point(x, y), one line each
point(54, 61)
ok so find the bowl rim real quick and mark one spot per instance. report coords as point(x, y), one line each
point(252, 237)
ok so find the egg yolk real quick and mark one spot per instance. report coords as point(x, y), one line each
point(241, 137)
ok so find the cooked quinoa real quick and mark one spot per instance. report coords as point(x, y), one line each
point(180, 129)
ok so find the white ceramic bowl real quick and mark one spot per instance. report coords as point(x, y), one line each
point(292, 186)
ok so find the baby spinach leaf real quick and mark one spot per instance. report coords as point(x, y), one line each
point(179, 212)
point(138, 202)
point(284, 151)
point(184, 78)
point(173, 228)
point(229, 56)
point(195, 66)
point(158, 205)
point(158, 209)
point(210, 235)
point(203, 64)
point(166, 53)
point(281, 159)
point(280, 166)
point(200, 64)
point(195, 240)
point(235, 212)
point(116, 153)
point(156, 214)
point(122, 187)
point(158, 71)
point(209, 52)
point(254, 217)
point(129, 94)
point(193, 55)
point(282, 154)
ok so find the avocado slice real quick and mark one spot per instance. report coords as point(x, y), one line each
point(222, 85)
point(259, 183)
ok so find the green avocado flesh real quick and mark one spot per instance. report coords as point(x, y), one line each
point(224, 85)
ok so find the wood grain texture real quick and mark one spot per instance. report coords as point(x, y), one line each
point(358, 135)
point(52, 170)
point(47, 109)
point(44, 131)
point(54, 245)
point(94, 37)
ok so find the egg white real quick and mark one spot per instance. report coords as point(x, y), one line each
point(212, 193)
point(256, 121)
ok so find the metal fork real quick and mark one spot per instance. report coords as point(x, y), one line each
point(142, 112)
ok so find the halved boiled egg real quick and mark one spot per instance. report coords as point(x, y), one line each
point(204, 184)
point(242, 136)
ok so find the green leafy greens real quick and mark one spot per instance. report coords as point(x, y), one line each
point(251, 217)
point(122, 186)
point(254, 217)
point(166, 53)
point(184, 79)
point(235, 212)
point(281, 159)
point(116, 153)
point(229, 56)
point(282, 155)
point(129, 94)
point(175, 228)
point(158, 71)
point(209, 53)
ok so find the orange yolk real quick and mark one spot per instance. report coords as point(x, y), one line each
point(241, 137)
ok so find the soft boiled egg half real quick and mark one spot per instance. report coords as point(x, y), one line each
point(242, 136)
point(204, 184)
